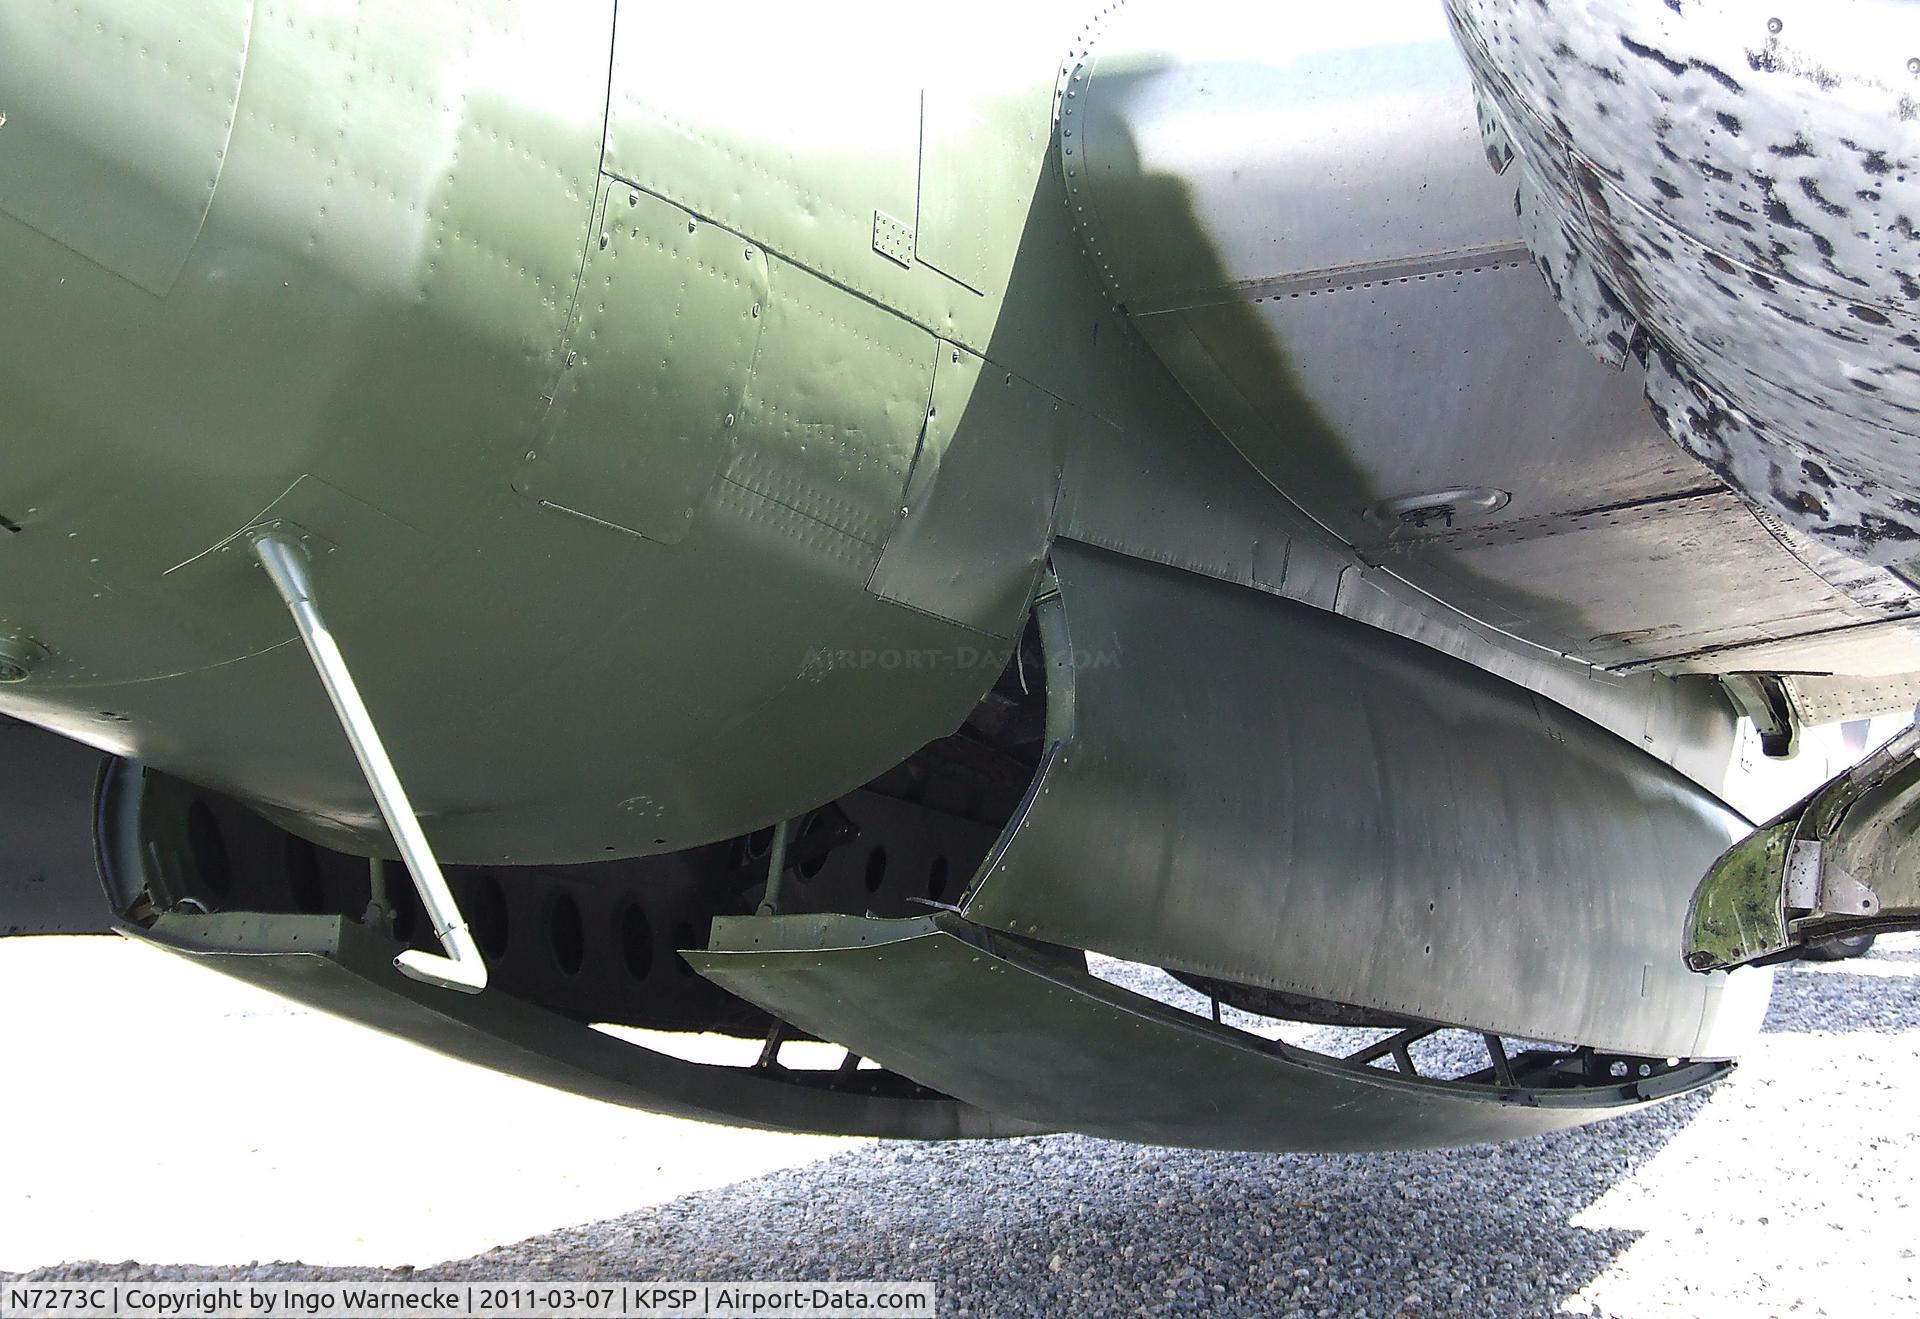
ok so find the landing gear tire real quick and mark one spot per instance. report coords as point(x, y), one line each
point(1840, 947)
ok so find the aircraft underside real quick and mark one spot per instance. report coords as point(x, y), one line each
point(571, 537)
point(936, 921)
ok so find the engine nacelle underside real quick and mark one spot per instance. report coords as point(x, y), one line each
point(1306, 816)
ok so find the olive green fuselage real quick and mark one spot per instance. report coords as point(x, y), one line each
point(419, 323)
point(682, 417)
point(677, 417)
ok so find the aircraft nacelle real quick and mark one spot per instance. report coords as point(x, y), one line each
point(837, 533)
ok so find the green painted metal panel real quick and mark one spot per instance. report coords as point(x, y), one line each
point(367, 339)
point(978, 512)
point(345, 968)
point(1044, 1041)
point(802, 142)
point(120, 163)
point(834, 414)
point(1258, 791)
point(667, 321)
point(976, 164)
point(47, 879)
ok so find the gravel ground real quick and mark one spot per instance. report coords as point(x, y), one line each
point(1785, 1190)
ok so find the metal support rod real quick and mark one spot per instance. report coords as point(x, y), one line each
point(776, 871)
point(1393, 1044)
point(1497, 1051)
point(379, 904)
point(770, 1051)
point(462, 968)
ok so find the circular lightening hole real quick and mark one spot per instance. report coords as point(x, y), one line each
point(486, 911)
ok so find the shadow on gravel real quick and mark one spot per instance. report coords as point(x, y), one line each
point(1071, 1225)
point(1068, 1224)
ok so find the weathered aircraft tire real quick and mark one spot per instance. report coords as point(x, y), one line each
point(1840, 947)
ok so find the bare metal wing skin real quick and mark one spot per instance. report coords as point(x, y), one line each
point(1046, 549)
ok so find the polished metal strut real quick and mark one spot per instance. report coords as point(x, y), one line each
point(281, 554)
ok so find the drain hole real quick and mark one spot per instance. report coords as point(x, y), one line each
point(565, 933)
